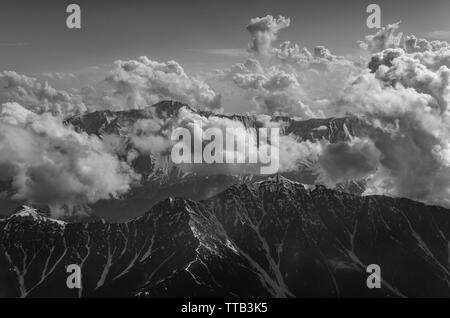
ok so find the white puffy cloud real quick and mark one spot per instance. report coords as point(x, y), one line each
point(284, 80)
point(263, 32)
point(386, 38)
point(38, 96)
point(275, 90)
point(409, 129)
point(409, 72)
point(344, 161)
point(149, 136)
point(51, 164)
point(143, 82)
point(130, 84)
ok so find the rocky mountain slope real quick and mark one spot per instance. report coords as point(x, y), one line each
point(274, 238)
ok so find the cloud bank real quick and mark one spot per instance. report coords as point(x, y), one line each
point(49, 163)
point(398, 88)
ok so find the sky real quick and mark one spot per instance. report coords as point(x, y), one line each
point(34, 37)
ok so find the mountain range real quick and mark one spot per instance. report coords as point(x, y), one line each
point(159, 183)
point(273, 238)
point(227, 236)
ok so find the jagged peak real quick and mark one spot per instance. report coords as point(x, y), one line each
point(27, 212)
point(169, 107)
point(168, 204)
point(272, 184)
point(279, 181)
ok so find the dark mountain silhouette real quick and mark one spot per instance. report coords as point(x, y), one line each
point(273, 238)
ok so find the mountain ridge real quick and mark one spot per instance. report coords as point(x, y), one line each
point(274, 238)
point(156, 183)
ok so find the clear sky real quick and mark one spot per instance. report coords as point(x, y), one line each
point(34, 38)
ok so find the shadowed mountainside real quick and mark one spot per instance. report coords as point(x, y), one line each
point(272, 238)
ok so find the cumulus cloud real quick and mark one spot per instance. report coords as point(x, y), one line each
point(284, 79)
point(413, 44)
point(344, 161)
point(263, 32)
point(143, 82)
point(275, 90)
point(297, 155)
point(402, 94)
point(386, 38)
point(51, 164)
point(196, 124)
point(409, 129)
point(150, 136)
point(293, 153)
point(409, 72)
point(38, 96)
point(129, 84)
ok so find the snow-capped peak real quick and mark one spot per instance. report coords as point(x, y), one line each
point(30, 213)
point(26, 211)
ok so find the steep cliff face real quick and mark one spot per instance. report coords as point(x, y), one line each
point(319, 242)
point(272, 238)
